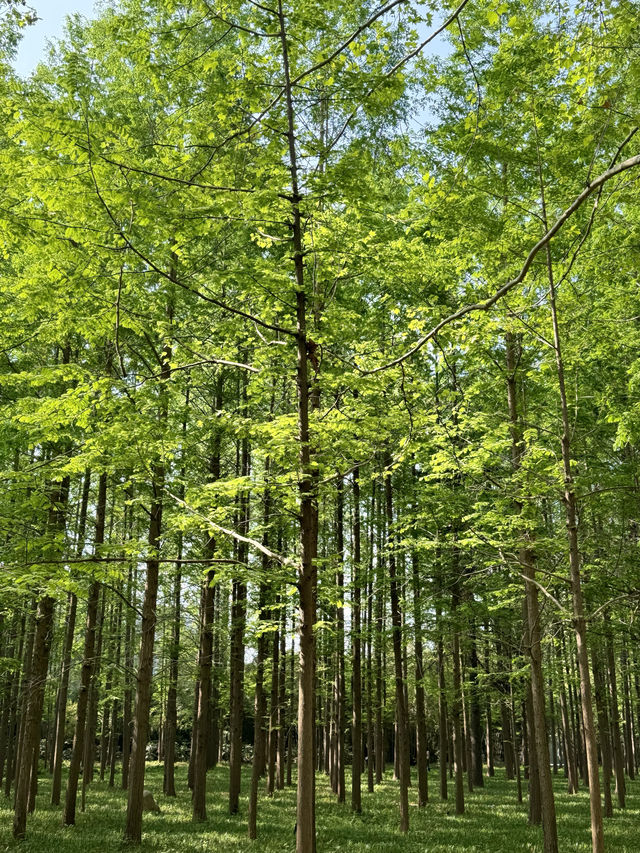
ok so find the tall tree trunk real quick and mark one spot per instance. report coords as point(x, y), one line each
point(88, 665)
point(616, 740)
point(339, 668)
point(307, 580)
point(443, 711)
point(260, 706)
point(579, 620)
point(378, 647)
point(402, 716)
point(456, 706)
point(605, 735)
point(29, 752)
point(238, 619)
point(128, 664)
point(63, 690)
point(61, 701)
point(570, 503)
point(542, 784)
point(284, 716)
point(133, 825)
point(260, 702)
point(273, 706)
point(204, 696)
point(356, 724)
point(475, 714)
point(421, 722)
point(628, 714)
point(171, 715)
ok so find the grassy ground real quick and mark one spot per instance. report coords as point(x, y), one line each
point(493, 822)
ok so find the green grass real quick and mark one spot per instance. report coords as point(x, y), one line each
point(493, 821)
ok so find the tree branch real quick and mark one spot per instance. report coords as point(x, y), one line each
point(630, 163)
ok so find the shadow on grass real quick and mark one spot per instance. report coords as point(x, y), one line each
point(493, 821)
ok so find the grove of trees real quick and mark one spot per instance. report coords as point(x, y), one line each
point(320, 402)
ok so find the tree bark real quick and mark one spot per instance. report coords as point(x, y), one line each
point(43, 635)
point(396, 621)
point(356, 724)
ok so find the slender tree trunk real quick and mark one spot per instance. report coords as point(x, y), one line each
point(260, 707)
point(290, 715)
point(356, 726)
point(456, 707)
point(489, 711)
point(171, 715)
point(628, 714)
point(541, 784)
point(579, 621)
point(33, 716)
point(616, 740)
point(378, 646)
point(133, 826)
point(307, 580)
point(443, 711)
point(339, 670)
point(421, 722)
point(29, 752)
point(115, 707)
point(283, 714)
point(273, 707)
point(204, 697)
point(475, 713)
point(396, 621)
point(260, 702)
point(61, 702)
point(603, 725)
point(128, 663)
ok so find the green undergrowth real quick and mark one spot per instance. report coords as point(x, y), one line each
point(493, 821)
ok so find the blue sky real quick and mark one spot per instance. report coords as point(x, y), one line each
point(52, 14)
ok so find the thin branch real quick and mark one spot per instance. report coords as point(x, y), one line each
point(273, 555)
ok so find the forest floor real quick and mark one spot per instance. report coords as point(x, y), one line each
point(493, 822)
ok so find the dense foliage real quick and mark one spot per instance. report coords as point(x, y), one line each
point(319, 391)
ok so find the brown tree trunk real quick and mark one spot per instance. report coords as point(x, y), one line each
point(542, 803)
point(443, 711)
point(273, 708)
point(402, 716)
point(61, 701)
point(238, 619)
point(421, 722)
point(171, 715)
point(456, 707)
point(260, 704)
point(88, 665)
point(579, 621)
point(29, 751)
point(204, 696)
point(339, 669)
point(128, 663)
point(356, 725)
point(475, 714)
point(378, 648)
point(61, 714)
point(603, 725)
point(283, 714)
point(133, 825)
point(616, 740)
point(628, 714)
